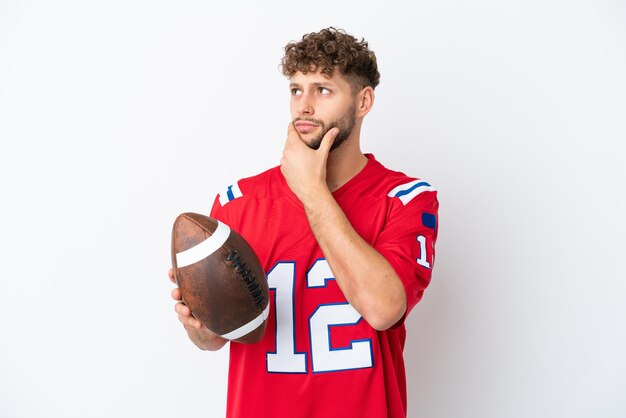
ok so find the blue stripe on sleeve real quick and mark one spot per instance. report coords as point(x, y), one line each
point(229, 193)
point(409, 190)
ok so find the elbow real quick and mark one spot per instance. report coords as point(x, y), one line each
point(386, 307)
point(384, 318)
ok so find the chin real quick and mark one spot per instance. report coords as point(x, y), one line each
point(312, 141)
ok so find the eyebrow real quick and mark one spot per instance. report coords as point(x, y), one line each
point(316, 84)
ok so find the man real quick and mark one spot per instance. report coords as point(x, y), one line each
point(348, 247)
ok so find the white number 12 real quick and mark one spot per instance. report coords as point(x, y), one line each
point(324, 358)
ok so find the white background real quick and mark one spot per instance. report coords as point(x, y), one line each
point(116, 116)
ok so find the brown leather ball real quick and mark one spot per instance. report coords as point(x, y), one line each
point(220, 278)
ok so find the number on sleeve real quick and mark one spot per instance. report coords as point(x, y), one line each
point(423, 260)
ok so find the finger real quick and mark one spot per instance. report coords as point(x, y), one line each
point(182, 309)
point(186, 317)
point(195, 323)
point(170, 273)
point(329, 140)
point(294, 137)
point(292, 142)
point(176, 295)
point(190, 321)
point(292, 132)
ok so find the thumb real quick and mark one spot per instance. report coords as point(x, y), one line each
point(328, 140)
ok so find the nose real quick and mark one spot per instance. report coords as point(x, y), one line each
point(305, 105)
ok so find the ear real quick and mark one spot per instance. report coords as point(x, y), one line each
point(365, 101)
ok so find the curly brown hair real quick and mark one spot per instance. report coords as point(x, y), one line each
point(332, 49)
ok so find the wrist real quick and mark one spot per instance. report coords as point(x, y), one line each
point(314, 196)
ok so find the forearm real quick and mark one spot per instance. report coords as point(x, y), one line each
point(365, 277)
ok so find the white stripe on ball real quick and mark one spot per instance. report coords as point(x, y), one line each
point(205, 248)
point(249, 327)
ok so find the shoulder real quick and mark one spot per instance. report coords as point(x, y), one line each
point(408, 189)
point(400, 188)
point(240, 196)
point(259, 185)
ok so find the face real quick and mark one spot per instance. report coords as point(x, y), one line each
point(318, 104)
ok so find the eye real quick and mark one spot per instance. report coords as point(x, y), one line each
point(324, 90)
point(296, 91)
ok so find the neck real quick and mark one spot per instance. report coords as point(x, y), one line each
point(345, 162)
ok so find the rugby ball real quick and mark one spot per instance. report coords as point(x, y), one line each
point(220, 278)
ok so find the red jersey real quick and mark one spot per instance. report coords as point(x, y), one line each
point(318, 357)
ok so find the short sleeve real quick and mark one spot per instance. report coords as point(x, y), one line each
point(216, 210)
point(408, 242)
point(225, 204)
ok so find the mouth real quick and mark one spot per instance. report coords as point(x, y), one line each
point(305, 127)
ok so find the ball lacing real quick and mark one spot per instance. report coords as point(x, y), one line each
point(247, 277)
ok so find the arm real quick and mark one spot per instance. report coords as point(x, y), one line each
point(367, 280)
point(198, 333)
